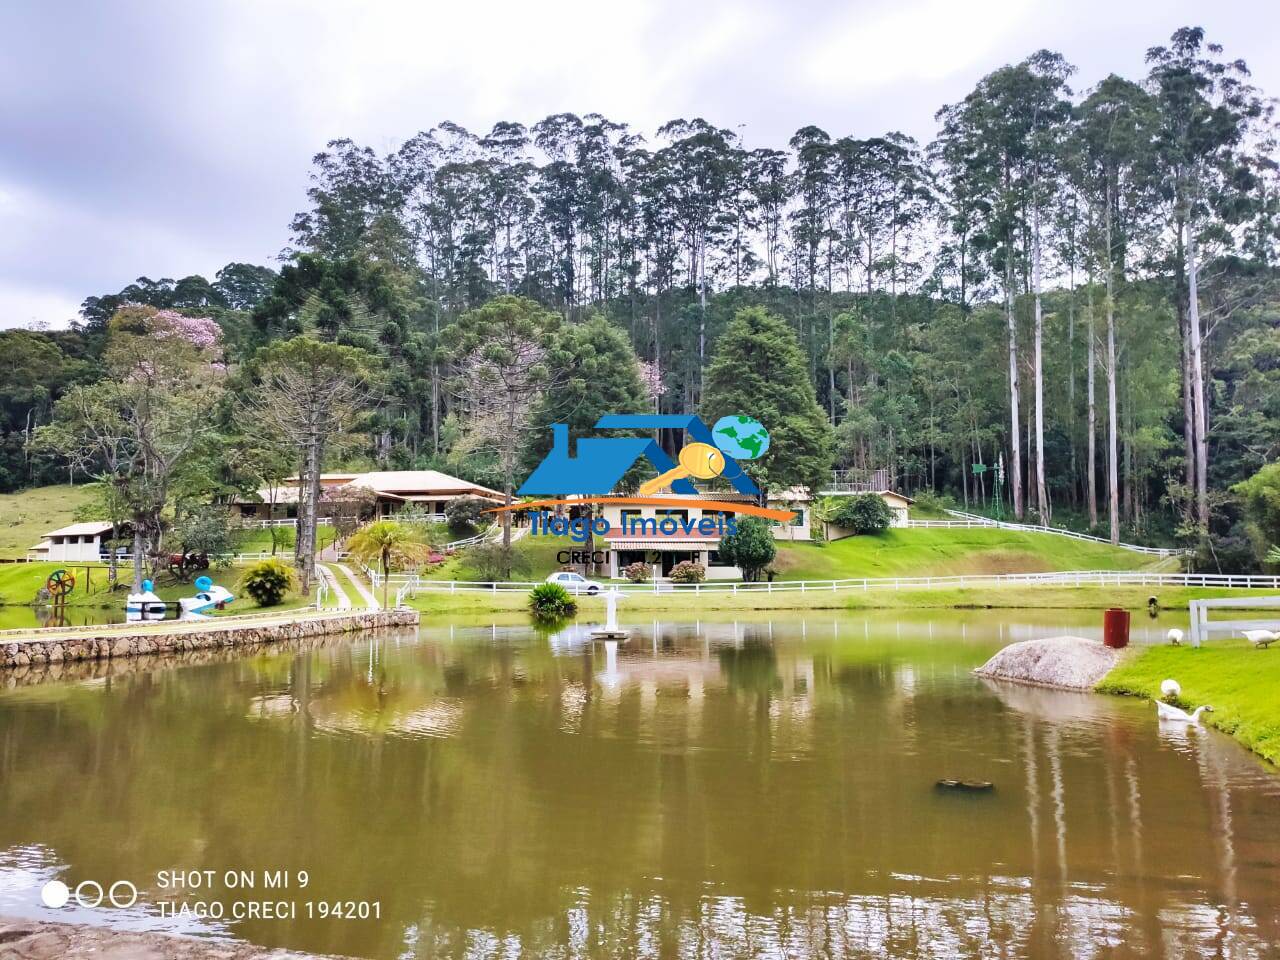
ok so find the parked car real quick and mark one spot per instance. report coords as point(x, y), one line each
point(575, 582)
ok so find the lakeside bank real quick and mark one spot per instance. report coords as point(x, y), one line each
point(23, 648)
point(1240, 682)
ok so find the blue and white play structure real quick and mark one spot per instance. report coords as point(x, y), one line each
point(209, 597)
point(147, 606)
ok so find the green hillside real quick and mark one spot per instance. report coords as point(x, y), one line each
point(952, 552)
point(27, 515)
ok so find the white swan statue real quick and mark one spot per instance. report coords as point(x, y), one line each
point(1167, 712)
point(1261, 638)
point(1169, 689)
point(1174, 636)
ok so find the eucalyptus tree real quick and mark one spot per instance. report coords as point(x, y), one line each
point(770, 186)
point(351, 187)
point(506, 171)
point(703, 160)
point(1206, 108)
point(1114, 130)
point(997, 145)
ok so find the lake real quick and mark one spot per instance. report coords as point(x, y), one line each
point(752, 788)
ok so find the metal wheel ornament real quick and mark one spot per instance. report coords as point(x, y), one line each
point(60, 583)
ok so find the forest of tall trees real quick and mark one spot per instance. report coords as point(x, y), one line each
point(1080, 284)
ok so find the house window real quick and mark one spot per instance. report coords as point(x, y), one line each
point(680, 515)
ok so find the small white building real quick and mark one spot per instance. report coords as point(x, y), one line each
point(80, 542)
point(899, 506)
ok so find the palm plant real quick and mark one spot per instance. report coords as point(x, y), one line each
point(389, 544)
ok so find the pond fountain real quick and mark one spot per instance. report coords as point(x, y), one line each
point(610, 630)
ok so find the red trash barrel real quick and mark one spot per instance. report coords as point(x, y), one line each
point(1115, 628)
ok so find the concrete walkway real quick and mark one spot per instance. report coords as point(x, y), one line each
point(366, 594)
point(340, 598)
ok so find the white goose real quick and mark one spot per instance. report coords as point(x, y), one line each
point(1174, 636)
point(1167, 712)
point(1261, 638)
point(1169, 689)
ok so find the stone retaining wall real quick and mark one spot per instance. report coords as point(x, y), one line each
point(111, 644)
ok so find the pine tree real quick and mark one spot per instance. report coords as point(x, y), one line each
point(759, 371)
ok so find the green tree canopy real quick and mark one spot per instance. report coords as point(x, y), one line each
point(759, 371)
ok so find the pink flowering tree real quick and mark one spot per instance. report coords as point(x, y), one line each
point(136, 427)
point(651, 379)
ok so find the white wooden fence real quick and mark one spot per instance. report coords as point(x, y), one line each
point(974, 520)
point(1075, 578)
point(1202, 626)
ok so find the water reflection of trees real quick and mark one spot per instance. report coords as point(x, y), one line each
point(731, 795)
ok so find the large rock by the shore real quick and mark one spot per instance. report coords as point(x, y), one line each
point(1068, 663)
point(41, 940)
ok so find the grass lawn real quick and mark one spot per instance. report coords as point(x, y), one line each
point(258, 540)
point(20, 581)
point(1242, 685)
point(538, 553)
point(26, 516)
point(949, 552)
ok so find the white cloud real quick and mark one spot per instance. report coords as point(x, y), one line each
point(25, 306)
point(909, 42)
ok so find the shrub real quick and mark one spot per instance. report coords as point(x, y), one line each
point(463, 514)
point(864, 513)
point(269, 581)
point(1260, 497)
point(688, 571)
point(934, 504)
point(637, 572)
point(752, 547)
point(550, 601)
point(283, 538)
point(491, 561)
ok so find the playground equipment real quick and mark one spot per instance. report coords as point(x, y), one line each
point(210, 596)
point(145, 605)
point(59, 584)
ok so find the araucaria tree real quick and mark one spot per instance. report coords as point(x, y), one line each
point(304, 394)
point(134, 428)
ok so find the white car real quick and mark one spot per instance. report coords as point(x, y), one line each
point(575, 582)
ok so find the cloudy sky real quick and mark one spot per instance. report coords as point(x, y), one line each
point(165, 139)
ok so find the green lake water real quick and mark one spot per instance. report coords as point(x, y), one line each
point(758, 788)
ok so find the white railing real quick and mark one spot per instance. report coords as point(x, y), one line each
point(1202, 626)
point(1073, 578)
point(493, 533)
point(973, 519)
point(951, 524)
